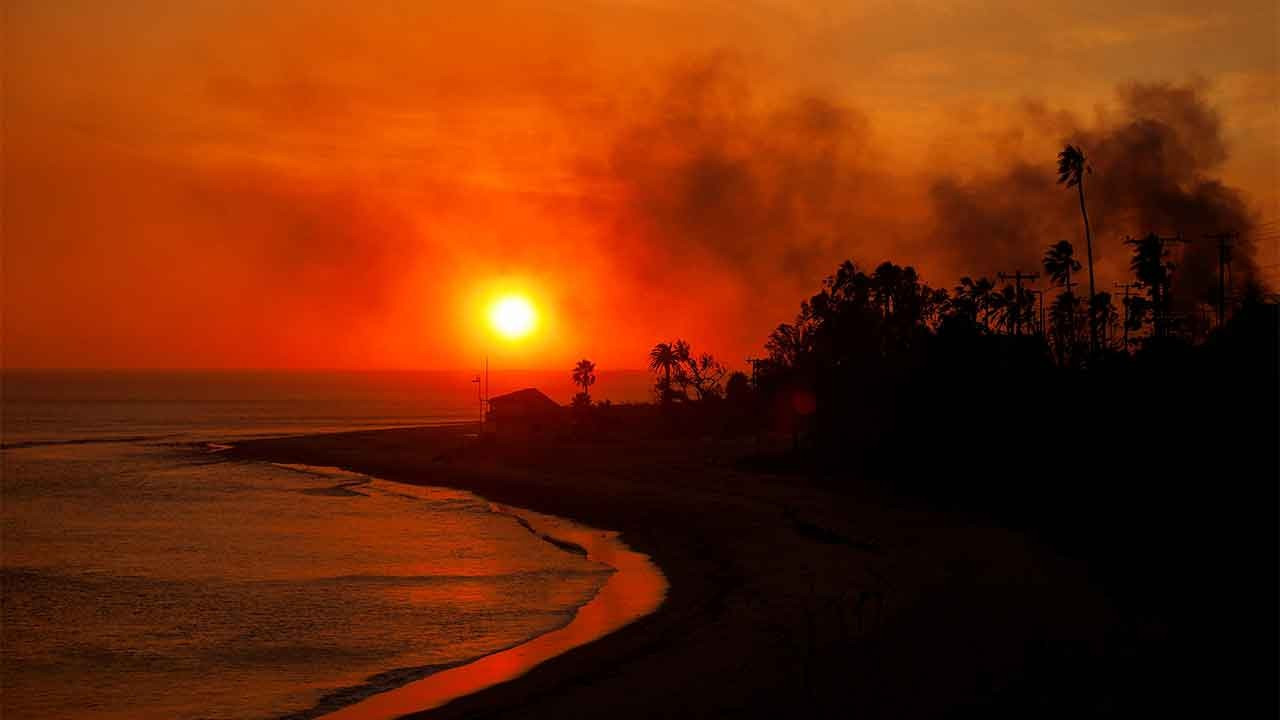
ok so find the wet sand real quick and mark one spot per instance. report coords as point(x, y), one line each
point(635, 589)
point(787, 598)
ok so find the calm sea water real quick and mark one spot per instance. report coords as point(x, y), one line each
point(140, 579)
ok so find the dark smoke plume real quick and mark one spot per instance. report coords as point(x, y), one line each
point(1153, 166)
point(710, 182)
point(775, 197)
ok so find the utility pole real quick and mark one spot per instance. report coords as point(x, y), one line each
point(482, 393)
point(1018, 276)
point(1224, 259)
point(1126, 287)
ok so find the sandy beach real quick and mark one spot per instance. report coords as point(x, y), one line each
point(634, 589)
point(785, 596)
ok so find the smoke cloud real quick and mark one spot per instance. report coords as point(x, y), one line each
point(1153, 165)
point(716, 187)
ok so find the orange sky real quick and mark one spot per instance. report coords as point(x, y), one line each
point(339, 185)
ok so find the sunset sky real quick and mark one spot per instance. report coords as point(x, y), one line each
point(349, 185)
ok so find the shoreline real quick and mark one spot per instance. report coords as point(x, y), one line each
point(787, 596)
point(635, 588)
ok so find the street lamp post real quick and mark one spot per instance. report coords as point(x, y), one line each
point(482, 392)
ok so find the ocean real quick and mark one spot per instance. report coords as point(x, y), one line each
point(142, 576)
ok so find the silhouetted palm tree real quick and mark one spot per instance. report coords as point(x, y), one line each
point(934, 304)
point(1063, 321)
point(1002, 307)
point(1059, 262)
point(1136, 309)
point(1013, 307)
point(663, 358)
point(1103, 315)
point(584, 375)
point(1151, 266)
point(1072, 167)
point(977, 295)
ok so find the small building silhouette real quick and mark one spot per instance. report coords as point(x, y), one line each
point(523, 413)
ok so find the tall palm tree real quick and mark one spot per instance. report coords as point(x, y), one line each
point(1059, 262)
point(663, 358)
point(1072, 167)
point(584, 374)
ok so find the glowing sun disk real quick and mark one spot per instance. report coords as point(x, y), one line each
point(512, 316)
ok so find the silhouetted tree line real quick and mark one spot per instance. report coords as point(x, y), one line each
point(1139, 438)
point(881, 372)
point(873, 350)
point(1123, 431)
point(683, 375)
point(881, 357)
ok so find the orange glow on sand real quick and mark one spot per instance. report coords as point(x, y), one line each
point(636, 588)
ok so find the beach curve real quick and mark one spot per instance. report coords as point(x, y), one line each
point(635, 588)
point(754, 580)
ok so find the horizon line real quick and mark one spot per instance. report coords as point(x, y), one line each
point(302, 369)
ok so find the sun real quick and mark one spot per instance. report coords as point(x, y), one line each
point(513, 317)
